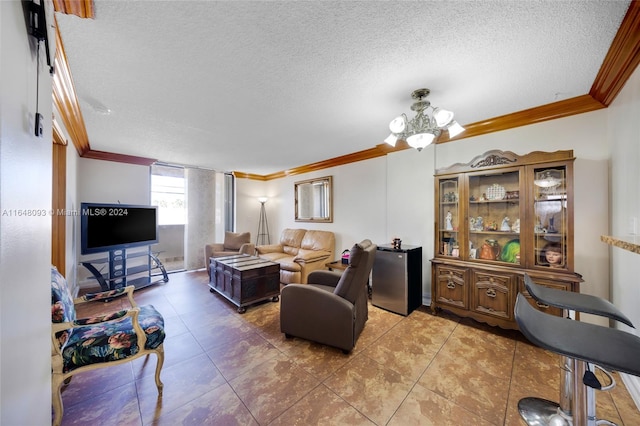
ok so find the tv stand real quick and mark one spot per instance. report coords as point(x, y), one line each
point(120, 274)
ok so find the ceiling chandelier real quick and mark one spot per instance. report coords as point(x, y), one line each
point(422, 129)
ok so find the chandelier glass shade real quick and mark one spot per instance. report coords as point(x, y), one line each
point(422, 129)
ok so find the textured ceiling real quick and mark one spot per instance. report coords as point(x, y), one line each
point(261, 87)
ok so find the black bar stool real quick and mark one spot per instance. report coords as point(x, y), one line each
point(577, 401)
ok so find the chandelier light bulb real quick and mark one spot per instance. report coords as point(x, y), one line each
point(455, 129)
point(420, 140)
point(262, 199)
point(422, 129)
point(398, 125)
point(442, 116)
point(391, 139)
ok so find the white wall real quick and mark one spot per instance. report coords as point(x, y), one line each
point(110, 182)
point(359, 200)
point(624, 134)
point(25, 250)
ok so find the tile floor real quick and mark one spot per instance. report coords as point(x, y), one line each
point(223, 368)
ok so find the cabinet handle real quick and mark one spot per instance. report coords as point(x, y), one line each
point(491, 292)
point(450, 285)
point(542, 305)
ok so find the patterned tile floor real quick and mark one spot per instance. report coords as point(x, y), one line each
point(224, 368)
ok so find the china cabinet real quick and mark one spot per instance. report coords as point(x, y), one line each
point(498, 217)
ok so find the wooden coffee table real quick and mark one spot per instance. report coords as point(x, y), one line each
point(244, 279)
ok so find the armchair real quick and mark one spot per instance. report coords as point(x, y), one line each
point(234, 243)
point(79, 345)
point(332, 308)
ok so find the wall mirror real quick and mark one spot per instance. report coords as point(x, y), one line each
point(313, 200)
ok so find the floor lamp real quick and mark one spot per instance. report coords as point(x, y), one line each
point(263, 226)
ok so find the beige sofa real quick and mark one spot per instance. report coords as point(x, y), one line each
point(299, 252)
point(234, 243)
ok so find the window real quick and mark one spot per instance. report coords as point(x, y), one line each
point(168, 193)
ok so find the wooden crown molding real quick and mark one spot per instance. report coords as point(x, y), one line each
point(620, 62)
point(65, 99)
point(58, 134)
point(81, 8)
point(119, 158)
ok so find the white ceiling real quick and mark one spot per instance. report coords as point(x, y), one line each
point(265, 86)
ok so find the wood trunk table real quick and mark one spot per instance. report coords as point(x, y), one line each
point(244, 279)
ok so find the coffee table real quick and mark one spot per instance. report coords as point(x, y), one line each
point(244, 279)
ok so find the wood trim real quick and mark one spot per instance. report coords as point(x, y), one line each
point(58, 205)
point(119, 158)
point(621, 60)
point(560, 109)
point(81, 8)
point(66, 101)
point(496, 159)
point(58, 134)
point(367, 154)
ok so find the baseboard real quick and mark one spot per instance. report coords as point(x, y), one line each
point(633, 386)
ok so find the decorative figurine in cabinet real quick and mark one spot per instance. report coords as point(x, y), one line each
point(497, 217)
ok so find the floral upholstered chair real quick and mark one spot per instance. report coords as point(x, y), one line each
point(85, 344)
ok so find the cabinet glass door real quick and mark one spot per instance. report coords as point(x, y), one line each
point(550, 217)
point(449, 218)
point(494, 217)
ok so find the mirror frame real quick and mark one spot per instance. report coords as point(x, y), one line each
point(327, 181)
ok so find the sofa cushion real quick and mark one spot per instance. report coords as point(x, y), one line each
point(291, 239)
point(117, 339)
point(318, 240)
point(235, 240)
point(276, 256)
point(311, 255)
point(288, 264)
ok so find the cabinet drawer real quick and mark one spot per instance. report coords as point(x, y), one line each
point(541, 306)
point(450, 286)
point(493, 293)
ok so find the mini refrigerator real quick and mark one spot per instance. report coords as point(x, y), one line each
point(397, 278)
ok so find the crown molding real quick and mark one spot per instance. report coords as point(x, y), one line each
point(58, 134)
point(81, 8)
point(552, 111)
point(621, 60)
point(119, 158)
point(65, 99)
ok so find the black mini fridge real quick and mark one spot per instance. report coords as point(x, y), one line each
point(397, 278)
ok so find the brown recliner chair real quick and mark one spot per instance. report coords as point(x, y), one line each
point(234, 243)
point(332, 308)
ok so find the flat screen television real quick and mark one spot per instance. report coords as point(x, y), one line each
point(106, 227)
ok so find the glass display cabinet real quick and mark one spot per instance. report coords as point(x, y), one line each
point(497, 217)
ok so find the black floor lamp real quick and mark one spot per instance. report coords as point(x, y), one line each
point(263, 226)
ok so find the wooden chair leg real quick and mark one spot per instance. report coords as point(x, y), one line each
point(56, 398)
point(160, 355)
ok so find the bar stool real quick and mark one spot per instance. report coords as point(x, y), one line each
point(572, 395)
point(580, 344)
